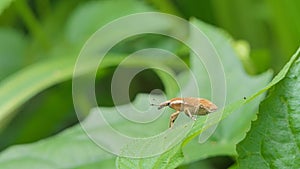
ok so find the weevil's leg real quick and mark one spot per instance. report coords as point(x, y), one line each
point(173, 117)
point(187, 112)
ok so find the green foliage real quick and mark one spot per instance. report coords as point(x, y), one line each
point(70, 149)
point(226, 137)
point(46, 64)
point(79, 27)
point(170, 159)
point(12, 48)
point(274, 139)
point(4, 4)
point(39, 42)
point(275, 37)
point(175, 156)
point(227, 53)
point(290, 138)
point(21, 86)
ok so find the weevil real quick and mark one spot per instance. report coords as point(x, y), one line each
point(191, 106)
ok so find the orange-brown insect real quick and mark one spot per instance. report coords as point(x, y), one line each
point(190, 106)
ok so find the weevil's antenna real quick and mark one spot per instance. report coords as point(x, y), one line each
point(160, 105)
point(153, 104)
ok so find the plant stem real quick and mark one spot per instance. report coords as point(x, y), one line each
point(166, 6)
point(43, 8)
point(31, 22)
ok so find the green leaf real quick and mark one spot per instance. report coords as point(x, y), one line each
point(70, 149)
point(73, 148)
point(238, 85)
point(89, 17)
point(274, 138)
point(4, 4)
point(170, 159)
point(218, 145)
point(21, 86)
point(175, 153)
point(12, 48)
point(211, 147)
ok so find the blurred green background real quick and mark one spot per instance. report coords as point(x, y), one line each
point(35, 30)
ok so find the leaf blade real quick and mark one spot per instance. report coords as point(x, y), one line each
point(4, 4)
point(276, 130)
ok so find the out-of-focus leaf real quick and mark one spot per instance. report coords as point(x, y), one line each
point(21, 86)
point(257, 63)
point(274, 138)
point(90, 17)
point(70, 149)
point(44, 109)
point(12, 49)
point(4, 4)
point(285, 28)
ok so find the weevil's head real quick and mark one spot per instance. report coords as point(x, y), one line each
point(208, 105)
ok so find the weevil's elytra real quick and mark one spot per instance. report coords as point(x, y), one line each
point(190, 106)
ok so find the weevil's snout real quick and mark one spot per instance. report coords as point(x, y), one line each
point(164, 104)
point(211, 108)
point(161, 105)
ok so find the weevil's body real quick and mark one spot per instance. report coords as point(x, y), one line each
point(190, 106)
